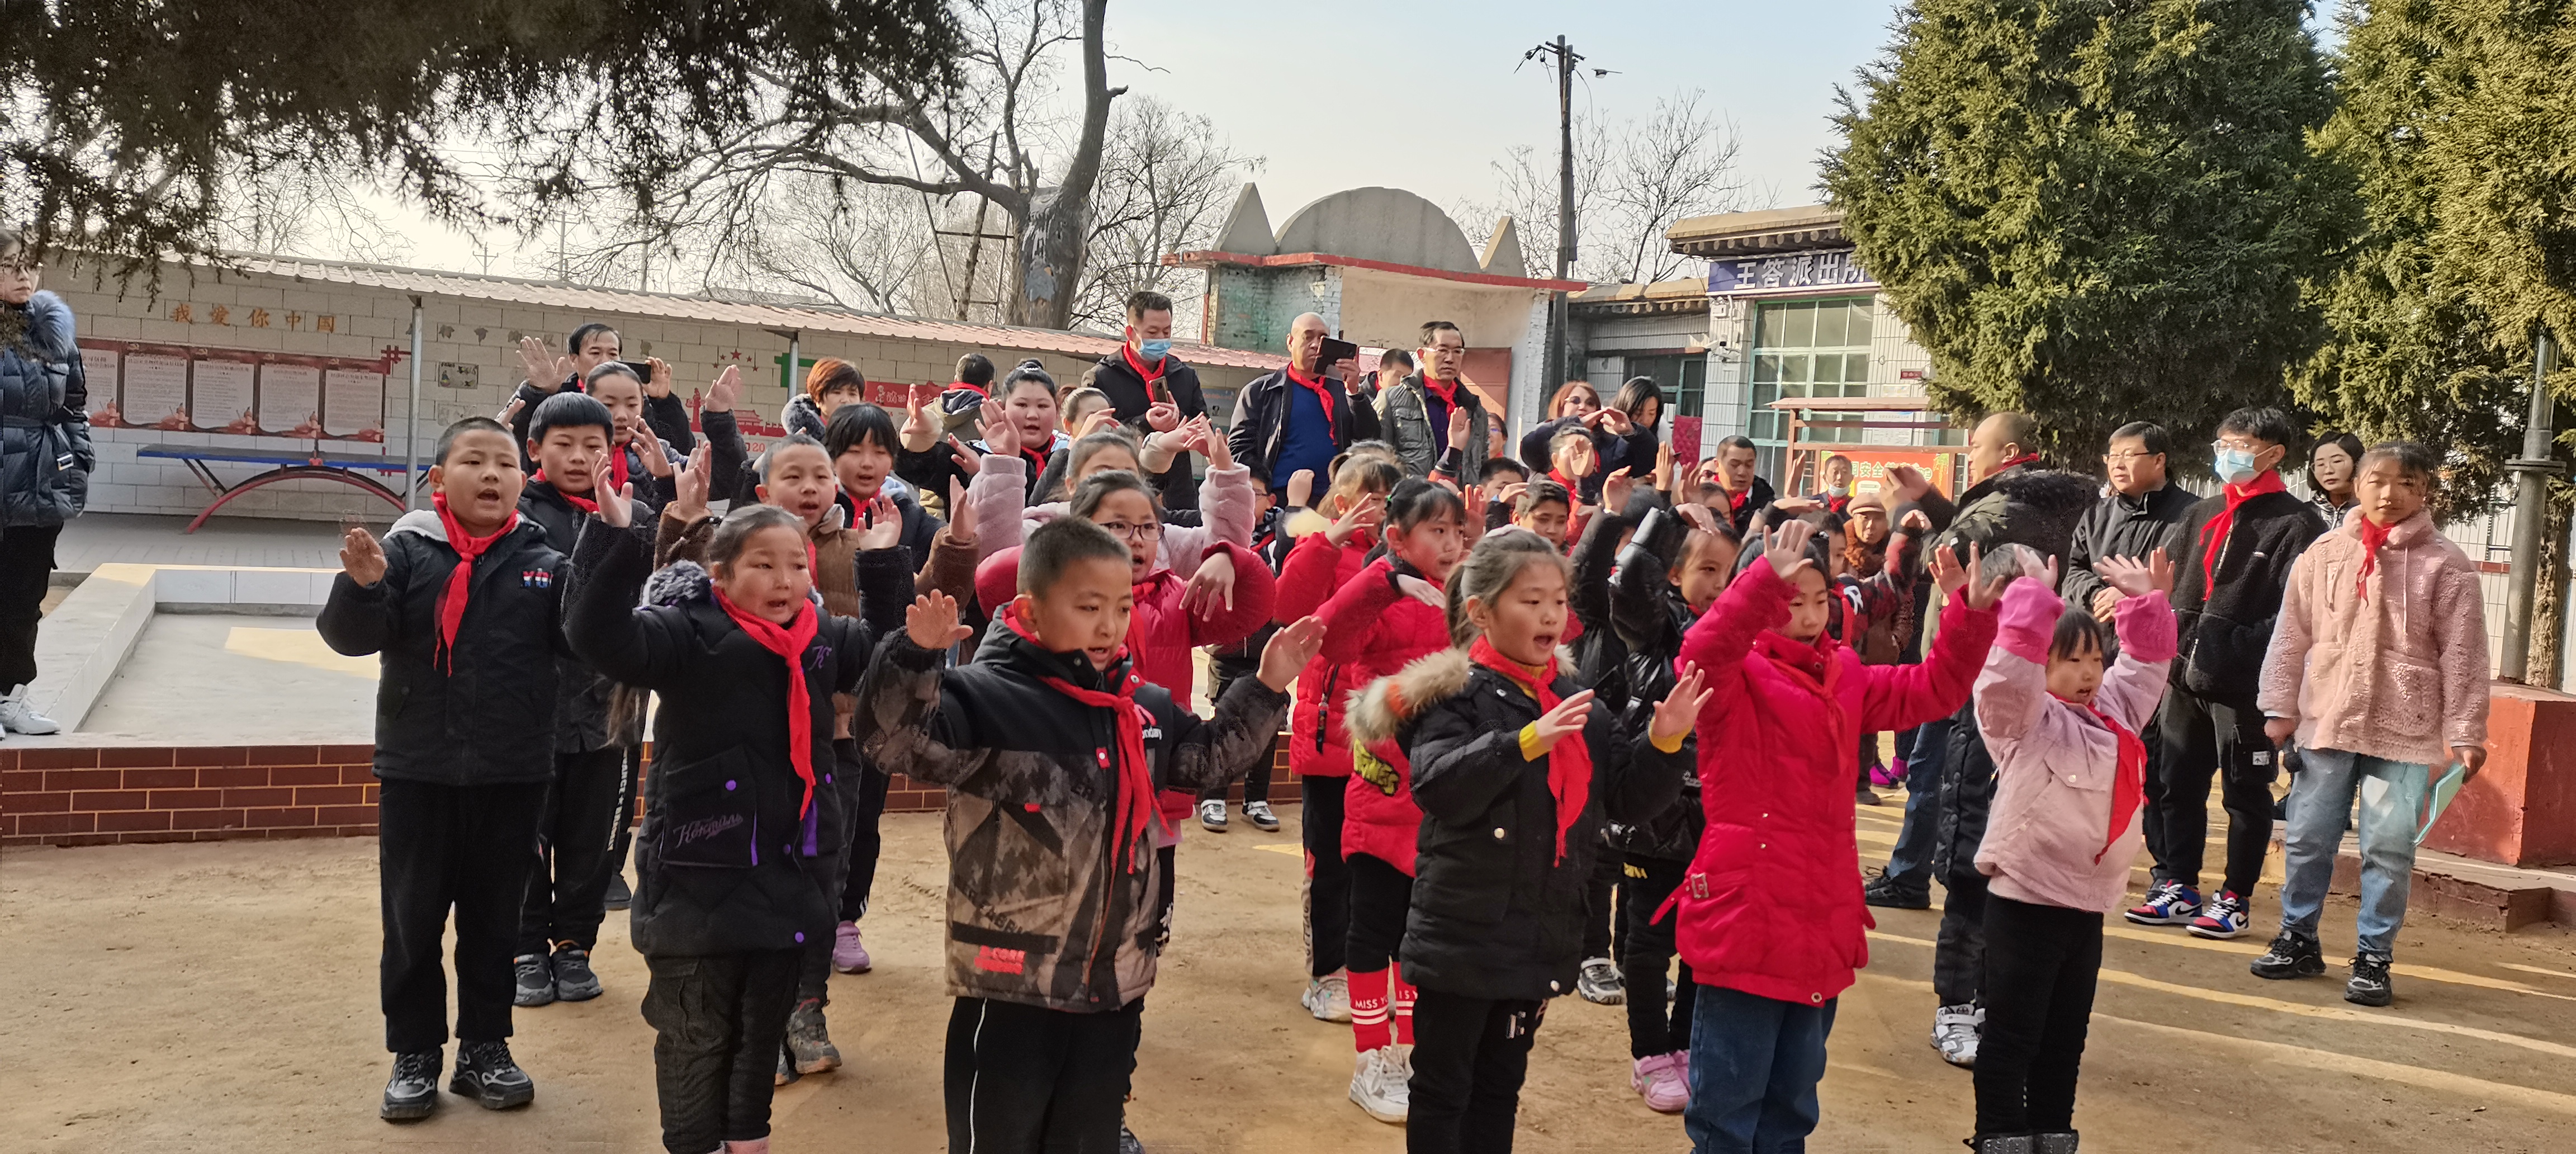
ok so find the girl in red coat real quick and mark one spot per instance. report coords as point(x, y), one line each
point(1770, 918)
point(1391, 613)
point(1327, 553)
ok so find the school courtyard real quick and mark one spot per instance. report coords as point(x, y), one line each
point(222, 996)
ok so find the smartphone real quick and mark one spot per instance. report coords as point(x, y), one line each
point(1161, 393)
point(643, 370)
point(1335, 352)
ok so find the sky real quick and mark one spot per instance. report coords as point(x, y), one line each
point(1427, 96)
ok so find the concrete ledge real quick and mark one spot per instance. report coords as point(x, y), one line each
point(2488, 899)
point(86, 638)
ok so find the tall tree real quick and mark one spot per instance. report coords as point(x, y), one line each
point(2094, 213)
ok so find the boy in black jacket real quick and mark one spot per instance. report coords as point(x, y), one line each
point(2227, 591)
point(1053, 751)
point(463, 604)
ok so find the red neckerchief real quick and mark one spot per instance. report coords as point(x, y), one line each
point(1447, 393)
point(978, 390)
point(1321, 393)
point(2373, 535)
point(2213, 535)
point(1735, 500)
point(1149, 376)
point(585, 504)
point(1813, 667)
point(2128, 784)
point(2024, 459)
point(1569, 764)
point(460, 580)
point(1133, 773)
point(788, 641)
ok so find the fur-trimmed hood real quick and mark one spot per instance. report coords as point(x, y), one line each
point(1385, 705)
point(50, 331)
point(687, 582)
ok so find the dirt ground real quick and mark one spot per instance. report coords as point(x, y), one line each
point(222, 997)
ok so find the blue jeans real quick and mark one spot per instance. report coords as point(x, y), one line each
point(2321, 800)
point(1754, 1065)
point(1910, 863)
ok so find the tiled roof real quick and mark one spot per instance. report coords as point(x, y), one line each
point(809, 318)
point(1682, 295)
point(1728, 234)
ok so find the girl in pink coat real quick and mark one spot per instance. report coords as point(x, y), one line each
point(1770, 914)
point(2070, 775)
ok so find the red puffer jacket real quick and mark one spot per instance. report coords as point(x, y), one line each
point(1372, 629)
point(1318, 746)
point(1771, 905)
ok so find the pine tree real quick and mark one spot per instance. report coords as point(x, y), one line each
point(2095, 212)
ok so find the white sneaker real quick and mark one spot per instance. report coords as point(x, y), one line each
point(1212, 815)
point(1379, 1086)
point(1329, 998)
point(17, 717)
point(1954, 1033)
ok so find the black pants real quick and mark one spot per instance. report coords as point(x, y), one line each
point(2153, 787)
point(1328, 878)
point(1165, 889)
point(1869, 760)
point(1231, 666)
point(1646, 952)
point(814, 974)
point(26, 570)
point(2204, 737)
point(1025, 1079)
point(1600, 902)
point(1470, 1056)
point(717, 1022)
point(1959, 957)
point(1381, 899)
point(442, 847)
point(867, 835)
point(568, 877)
point(2041, 964)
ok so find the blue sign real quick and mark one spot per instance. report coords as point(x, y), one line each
point(1832, 268)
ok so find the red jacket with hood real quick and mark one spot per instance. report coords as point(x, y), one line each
point(1374, 627)
point(1318, 745)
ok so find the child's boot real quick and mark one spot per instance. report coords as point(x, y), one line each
point(485, 1073)
point(807, 1040)
point(2293, 955)
point(413, 1091)
point(2062, 1142)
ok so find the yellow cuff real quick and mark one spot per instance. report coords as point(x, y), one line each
point(1531, 748)
point(1672, 746)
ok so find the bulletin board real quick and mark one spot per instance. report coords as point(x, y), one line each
point(190, 388)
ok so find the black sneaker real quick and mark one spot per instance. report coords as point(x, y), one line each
point(1894, 895)
point(536, 978)
point(2369, 985)
point(413, 1091)
point(619, 897)
point(809, 1042)
point(574, 980)
point(2293, 955)
point(485, 1073)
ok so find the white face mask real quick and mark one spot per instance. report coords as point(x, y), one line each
point(1838, 490)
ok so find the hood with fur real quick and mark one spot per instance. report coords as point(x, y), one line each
point(1383, 707)
point(49, 330)
point(687, 582)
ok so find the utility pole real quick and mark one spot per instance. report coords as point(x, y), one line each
point(2532, 472)
point(1565, 58)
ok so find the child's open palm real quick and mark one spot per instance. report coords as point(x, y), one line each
point(1289, 650)
point(618, 508)
point(1567, 718)
point(931, 621)
point(884, 525)
point(1786, 548)
point(360, 557)
point(2134, 578)
point(689, 499)
point(1679, 710)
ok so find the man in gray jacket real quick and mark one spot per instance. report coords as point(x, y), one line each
point(1415, 413)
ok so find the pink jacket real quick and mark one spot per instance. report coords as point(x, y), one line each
point(2402, 675)
point(2048, 838)
point(1225, 509)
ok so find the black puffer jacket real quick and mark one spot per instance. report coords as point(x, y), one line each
point(45, 458)
point(1129, 397)
point(582, 697)
point(488, 716)
point(2225, 627)
point(1045, 906)
point(1650, 617)
point(1600, 657)
point(729, 857)
point(1496, 914)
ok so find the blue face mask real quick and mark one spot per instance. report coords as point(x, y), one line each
point(1153, 350)
point(2234, 466)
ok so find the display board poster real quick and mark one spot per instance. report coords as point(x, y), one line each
point(222, 395)
point(290, 399)
point(135, 385)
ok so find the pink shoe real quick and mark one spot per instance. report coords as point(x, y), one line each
point(1887, 775)
point(848, 956)
point(755, 1146)
point(1663, 1081)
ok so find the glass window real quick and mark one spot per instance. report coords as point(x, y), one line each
point(1809, 348)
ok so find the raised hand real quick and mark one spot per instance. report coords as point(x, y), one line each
point(883, 525)
point(1786, 549)
point(1211, 586)
point(724, 392)
point(616, 509)
point(1289, 650)
point(657, 384)
point(648, 448)
point(541, 366)
point(1948, 573)
point(2033, 569)
point(1915, 522)
point(1664, 467)
point(961, 520)
point(1219, 454)
point(1679, 710)
point(916, 433)
point(1095, 421)
point(1909, 482)
point(1696, 516)
point(1000, 434)
point(689, 500)
point(2106, 601)
point(1616, 420)
point(1566, 719)
point(1512, 493)
point(931, 621)
point(1457, 426)
point(1616, 487)
point(968, 461)
point(1797, 506)
point(1162, 416)
point(360, 557)
point(1301, 488)
point(2126, 575)
point(510, 412)
point(1364, 514)
point(1473, 497)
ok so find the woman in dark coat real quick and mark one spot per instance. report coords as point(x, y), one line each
point(45, 462)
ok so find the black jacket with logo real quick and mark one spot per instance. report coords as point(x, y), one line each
point(2224, 627)
point(1129, 397)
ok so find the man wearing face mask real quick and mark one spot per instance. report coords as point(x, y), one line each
point(2227, 591)
point(1837, 472)
point(1137, 376)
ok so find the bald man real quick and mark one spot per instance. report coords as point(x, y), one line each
point(1297, 418)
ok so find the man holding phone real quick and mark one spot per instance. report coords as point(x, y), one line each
point(1153, 390)
point(1296, 418)
point(1436, 412)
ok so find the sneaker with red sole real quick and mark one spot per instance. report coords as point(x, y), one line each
point(2223, 917)
point(2167, 904)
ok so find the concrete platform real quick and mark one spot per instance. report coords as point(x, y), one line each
point(99, 539)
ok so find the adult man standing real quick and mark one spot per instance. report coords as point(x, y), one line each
point(2228, 583)
point(1837, 476)
point(1295, 418)
point(1729, 488)
point(2143, 513)
point(1142, 373)
point(1415, 413)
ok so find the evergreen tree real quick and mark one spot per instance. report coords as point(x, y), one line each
point(2095, 212)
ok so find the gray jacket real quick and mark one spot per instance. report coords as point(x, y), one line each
point(1404, 419)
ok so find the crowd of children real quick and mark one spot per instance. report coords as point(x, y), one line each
point(1557, 724)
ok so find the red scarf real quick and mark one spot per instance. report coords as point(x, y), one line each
point(788, 641)
point(1569, 764)
point(1149, 376)
point(1321, 393)
point(1135, 775)
point(1734, 500)
point(978, 390)
point(584, 504)
point(2373, 535)
point(2213, 535)
point(2129, 782)
point(2024, 459)
point(460, 580)
point(1448, 393)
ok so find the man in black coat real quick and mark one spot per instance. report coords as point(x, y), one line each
point(1729, 487)
point(2228, 583)
point(1296, 418)
point(2142, 513)
point(1142, 374)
